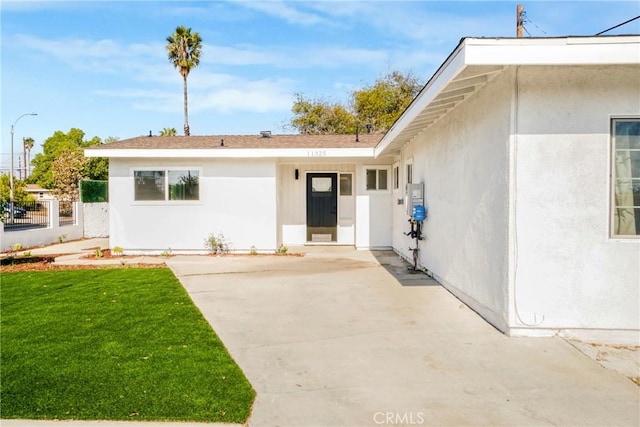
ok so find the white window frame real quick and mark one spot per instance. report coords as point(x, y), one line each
point(395, 177)
point(408, 171)
point(386, 168)
point(352, 185)
point(613, 203)
point(166, 170)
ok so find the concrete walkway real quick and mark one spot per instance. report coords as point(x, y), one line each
point(74, 252)
point(349, 338)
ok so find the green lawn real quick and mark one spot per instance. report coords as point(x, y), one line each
point(116, 344)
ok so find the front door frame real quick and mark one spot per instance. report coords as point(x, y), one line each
point(329, 227)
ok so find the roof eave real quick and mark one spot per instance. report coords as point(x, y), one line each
point(452, 66)
point(145, 153)
point(500, 53)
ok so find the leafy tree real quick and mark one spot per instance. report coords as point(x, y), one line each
point(184, 50)
point(58, 143)
point(19, 193)
point(66, 171)
point(381, 104)
point(378, 105)
point(321, 117)
point(27, 145)
point(168, 132)
point(98, 167)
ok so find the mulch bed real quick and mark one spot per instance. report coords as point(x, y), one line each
point(52, 267)
point(20, 263)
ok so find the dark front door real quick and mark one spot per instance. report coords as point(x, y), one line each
point(322, 207)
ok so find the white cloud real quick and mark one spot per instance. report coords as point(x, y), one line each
point(217, 93)
point(140, 61)
point(285, 11)
point(225, 93)
point(148, 61)
point(241, 55)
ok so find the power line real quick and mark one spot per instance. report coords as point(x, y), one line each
point(523, 19)
point(526, 20)
point(619, 25)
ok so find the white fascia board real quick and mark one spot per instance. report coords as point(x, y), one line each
point(563, 51)
point(522, 51)
point(243, 153)
point(447, 72)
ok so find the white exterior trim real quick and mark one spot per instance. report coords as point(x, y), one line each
point(480, 52)
point(554, 51)
point(244, 153)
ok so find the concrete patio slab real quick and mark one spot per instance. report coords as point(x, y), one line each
point(335, 339)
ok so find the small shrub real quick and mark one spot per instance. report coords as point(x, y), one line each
point(27, 253)
point(117, 250)
point(61, 238)
point(253, 251)
point(17, 247)
point(166, 253)
point(216, 244)
point(98, 253)
point(282, 250)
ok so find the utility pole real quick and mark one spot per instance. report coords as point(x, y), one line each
point(519, 20)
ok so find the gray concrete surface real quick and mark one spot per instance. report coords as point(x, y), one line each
point(74, 252)
point(348, 338)
point(335, 339)
point(75, 247)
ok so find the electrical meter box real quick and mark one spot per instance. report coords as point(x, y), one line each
point(414, 196)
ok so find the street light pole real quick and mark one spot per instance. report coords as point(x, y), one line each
point(11, 189)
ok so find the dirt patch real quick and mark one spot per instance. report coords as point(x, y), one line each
point(48, 266)
point(11, 264)
point(103, 254)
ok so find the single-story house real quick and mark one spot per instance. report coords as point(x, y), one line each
point(527, 152)
point(38, 192)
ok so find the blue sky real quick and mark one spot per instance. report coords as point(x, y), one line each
point(102, 66)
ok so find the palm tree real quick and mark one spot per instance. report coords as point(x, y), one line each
point(27, 145)
point(168, 132)
point(184, 52)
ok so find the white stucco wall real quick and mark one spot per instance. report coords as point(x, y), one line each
point(373, 208)
point(96, 219)
point(567, 272)
point(237, 199)
point(463, 161)
point(517, 183)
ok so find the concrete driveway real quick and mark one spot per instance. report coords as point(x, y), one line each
point(335, 339)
